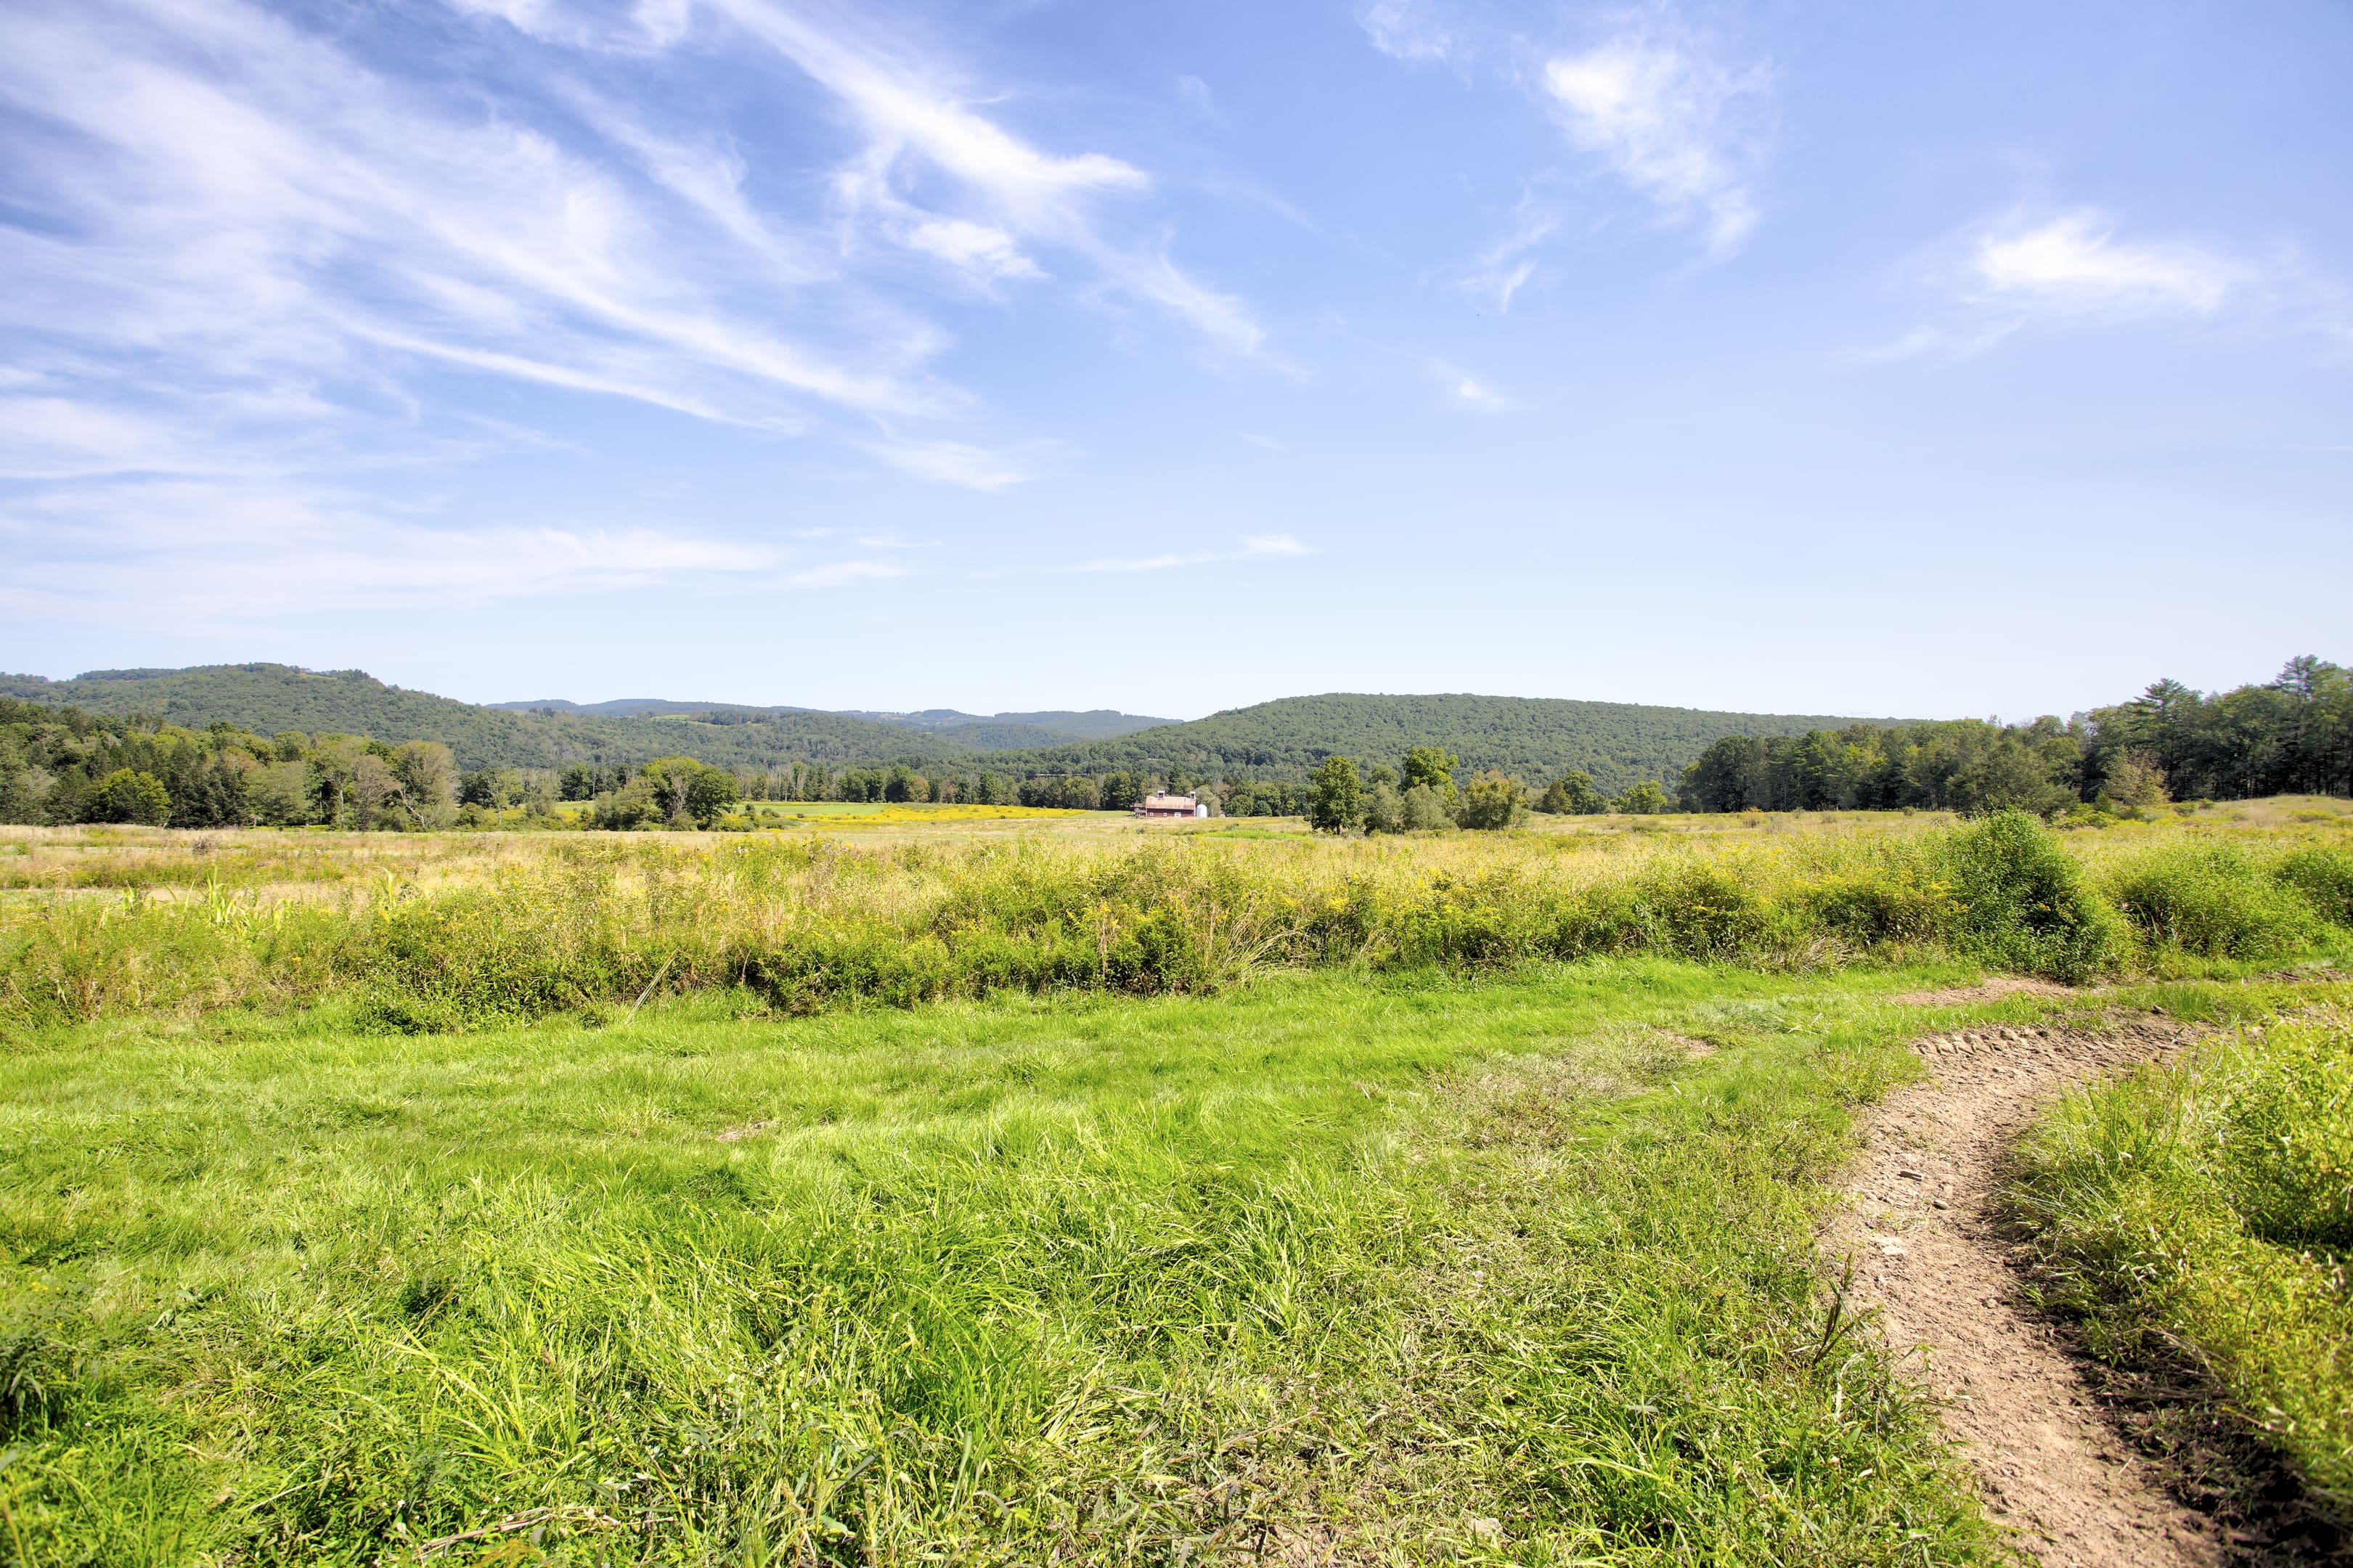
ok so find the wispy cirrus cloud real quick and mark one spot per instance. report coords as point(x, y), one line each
point(2076, 263)
point(1256, 546)
point(1468, 392)
point(2083, 268)
point(234, 243)
point(1021, 196)
point(1644, 91)
point(1672, 120)
point(1423, 30)
point(213, 551)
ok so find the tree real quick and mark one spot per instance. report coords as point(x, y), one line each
point(1491, 801)
point(1573, 794)
point(1338, 804)
point(2133, 780)
point(1384, 808)
point(1644, 799)
point(634, 804)
point(670, 779)
point(1434, 766)
point(1121, 791)
point(124, 796)
point(427, 776)
point(903, 785)
point(708, 794)
point(1424, 810)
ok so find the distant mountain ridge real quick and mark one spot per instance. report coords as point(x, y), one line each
point(1537, 739)
point(985, 731)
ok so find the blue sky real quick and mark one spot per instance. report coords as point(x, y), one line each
point(1845, 357)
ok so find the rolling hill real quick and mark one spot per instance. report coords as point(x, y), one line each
point(984, 732)
point(273, 698)
point(1536, 739)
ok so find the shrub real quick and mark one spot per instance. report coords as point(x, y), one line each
point(2019, 902)
point(2211, 900)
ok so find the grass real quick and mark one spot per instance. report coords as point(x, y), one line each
point(610, 1200)
point(2203, 1213)
point(1410, 1270)
point(525, 928)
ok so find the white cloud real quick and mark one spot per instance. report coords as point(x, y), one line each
point(952, 463)
point(2080, 268)
point(227, 550)
point(2074, 262)
point(1416, 30)
point(1471, 393)
point(249, 247)
point(1253, 547)
point(1673, 122)
point(841, 573)
point(1649, 93)
point(1021, 196)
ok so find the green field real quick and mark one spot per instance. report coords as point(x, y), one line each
point(395, 1198)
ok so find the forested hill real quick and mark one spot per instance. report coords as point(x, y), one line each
point(271, 698)
point(982, 731)
point(1619, 743)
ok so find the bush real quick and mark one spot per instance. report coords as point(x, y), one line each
point(2211, 900)
point(2020, 903)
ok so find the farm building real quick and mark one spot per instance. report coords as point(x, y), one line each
point(1170, 805)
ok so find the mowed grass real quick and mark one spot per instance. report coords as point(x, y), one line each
point(1404, 1269)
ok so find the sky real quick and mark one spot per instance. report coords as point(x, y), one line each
point(1846, 357)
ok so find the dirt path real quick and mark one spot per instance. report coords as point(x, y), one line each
point(1927, 1255)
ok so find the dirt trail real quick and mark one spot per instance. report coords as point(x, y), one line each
point(1928, 1255)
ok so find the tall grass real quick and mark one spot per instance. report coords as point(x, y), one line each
point(813, 924)
point(2207, 1208)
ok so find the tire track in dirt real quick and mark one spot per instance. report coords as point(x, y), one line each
point(1928, 1254)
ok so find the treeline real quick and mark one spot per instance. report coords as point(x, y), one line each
point(2290, 735)
point(61, 765)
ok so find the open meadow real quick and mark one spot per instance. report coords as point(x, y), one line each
point(992, 1190)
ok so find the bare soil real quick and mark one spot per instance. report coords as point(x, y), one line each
point(1929, 1255)
point(1989, 990)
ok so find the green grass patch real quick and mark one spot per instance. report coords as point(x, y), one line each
point(2205, 1210)
point(1415, 1267)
